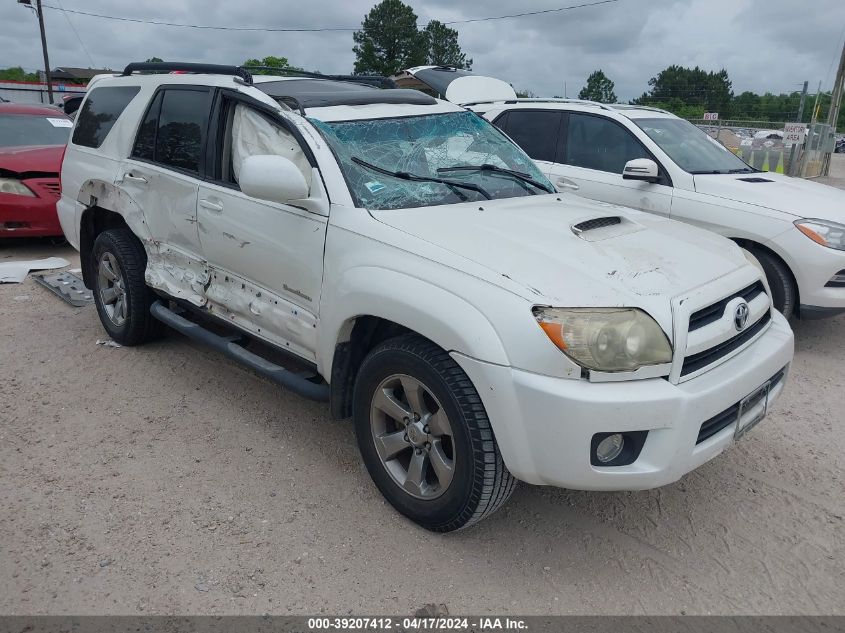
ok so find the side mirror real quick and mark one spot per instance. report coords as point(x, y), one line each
point(272, 178)
point(641, 169)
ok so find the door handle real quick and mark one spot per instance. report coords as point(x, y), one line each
point(138, 179)
point(563, 183)
point(211, 206)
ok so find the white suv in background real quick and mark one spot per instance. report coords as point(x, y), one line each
point(651, 160)
point(477, 326)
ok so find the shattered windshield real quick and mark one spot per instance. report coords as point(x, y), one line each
point(407, 162)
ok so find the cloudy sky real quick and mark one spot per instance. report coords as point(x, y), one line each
point(766, 45)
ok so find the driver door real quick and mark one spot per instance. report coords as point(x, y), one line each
point(266, 257)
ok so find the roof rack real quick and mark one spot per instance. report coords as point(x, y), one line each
point(206, 69)
point(378, 81)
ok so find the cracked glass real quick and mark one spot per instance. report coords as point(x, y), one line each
point(425, 146)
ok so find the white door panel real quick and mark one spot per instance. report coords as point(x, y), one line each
point(169, 201)
point(612, 188)
point(277, 247)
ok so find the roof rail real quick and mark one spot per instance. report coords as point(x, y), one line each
point(207, 69)
point(378, 81)
point(633, 106)
point(545, 100)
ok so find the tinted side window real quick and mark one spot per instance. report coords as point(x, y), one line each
point(182, 128)
point(146, 139)
point(535, 131)
point(99, 113)
point(598, 143)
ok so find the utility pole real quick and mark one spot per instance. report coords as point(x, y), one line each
point(793, 153)
point(801, 105)
point(836, 98)
point(40, 13)
point(44, 50)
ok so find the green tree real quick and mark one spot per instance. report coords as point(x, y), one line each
point(442, 45)
point(271, 61)
point(155, 59)
point(599, 88)
point(388, 40)
point(16, 73)
point(692, 86)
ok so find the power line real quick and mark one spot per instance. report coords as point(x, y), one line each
point(73, 28)
point(310, 30)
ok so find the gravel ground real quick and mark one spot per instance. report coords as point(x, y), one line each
point(165, 479)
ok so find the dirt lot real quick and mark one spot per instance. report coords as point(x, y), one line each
point(165, 479)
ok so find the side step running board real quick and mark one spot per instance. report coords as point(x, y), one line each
point(278, 374)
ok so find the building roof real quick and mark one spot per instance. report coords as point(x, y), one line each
point(69, 72)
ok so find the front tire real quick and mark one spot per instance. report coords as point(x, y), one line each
point(425, 437)
point(122, 296)
point(781, 282)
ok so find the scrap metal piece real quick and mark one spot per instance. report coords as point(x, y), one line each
point(66, 285)
point(16, 272)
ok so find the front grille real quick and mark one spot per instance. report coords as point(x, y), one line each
point(701, 360)
point(713, 313)
point(728, 416)
point(596, 223)
point(52, 186)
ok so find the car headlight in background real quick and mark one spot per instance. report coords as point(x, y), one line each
point(606, 339)
point(12, 185)
point(824, 232)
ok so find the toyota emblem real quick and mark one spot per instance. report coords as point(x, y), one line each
point(741, 316)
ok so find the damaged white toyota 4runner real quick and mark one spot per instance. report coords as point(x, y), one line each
point(478, 327)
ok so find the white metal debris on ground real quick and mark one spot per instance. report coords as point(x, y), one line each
point(16, 272)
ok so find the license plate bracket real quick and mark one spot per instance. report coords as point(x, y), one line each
point(754, 408)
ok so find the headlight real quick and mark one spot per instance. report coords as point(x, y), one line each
point(606, 339)
point(12, 185)
point(823, 232)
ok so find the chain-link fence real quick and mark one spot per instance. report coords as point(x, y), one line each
point(761, 144)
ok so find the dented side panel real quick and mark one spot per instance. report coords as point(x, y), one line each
point(263, 313)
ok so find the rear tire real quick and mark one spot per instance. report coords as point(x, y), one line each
point(781, 282)
point(122, 296)
point(432, 453)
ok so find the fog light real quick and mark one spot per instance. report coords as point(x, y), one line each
point(610, 448)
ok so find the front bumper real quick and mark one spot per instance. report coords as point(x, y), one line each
point(22, 216)
point(544, 425)
point(813, 266)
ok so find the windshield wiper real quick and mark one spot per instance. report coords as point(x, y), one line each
point(499, 170)
point(404, 175)
point(743, 170)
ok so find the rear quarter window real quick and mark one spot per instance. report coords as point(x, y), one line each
point(99, 113)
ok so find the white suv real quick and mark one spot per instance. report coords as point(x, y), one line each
point(651, 160)
point(477, 326)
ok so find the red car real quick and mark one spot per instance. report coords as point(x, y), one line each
point(32, 141)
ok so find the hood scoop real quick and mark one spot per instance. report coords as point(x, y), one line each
point(755, 179)
point(595, 223)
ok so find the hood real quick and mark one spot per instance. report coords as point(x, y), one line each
point(642, 260)
point(40, 158)
point(797, 197)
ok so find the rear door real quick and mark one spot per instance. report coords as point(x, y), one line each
point(535, 131)
point(163, 172)
point(591, 154)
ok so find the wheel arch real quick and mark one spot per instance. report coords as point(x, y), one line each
point(107, 206)
point(751, 245)
point(367, 318)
